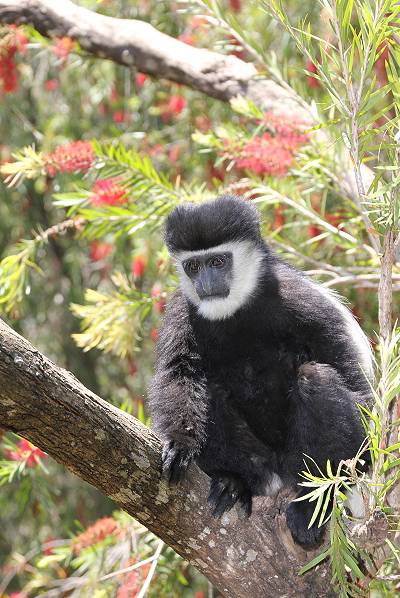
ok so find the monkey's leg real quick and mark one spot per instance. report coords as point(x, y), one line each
point(298, 516)
point(324, 424)
point(237, 462)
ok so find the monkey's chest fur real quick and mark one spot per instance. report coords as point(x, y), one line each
point(250, 374)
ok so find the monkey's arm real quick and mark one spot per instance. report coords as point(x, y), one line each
point(178, 392)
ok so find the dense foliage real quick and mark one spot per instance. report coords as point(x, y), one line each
point(94, 155)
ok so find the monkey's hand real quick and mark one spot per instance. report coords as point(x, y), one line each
point(176, 458)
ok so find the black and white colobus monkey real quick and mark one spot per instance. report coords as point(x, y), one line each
point(257, 365)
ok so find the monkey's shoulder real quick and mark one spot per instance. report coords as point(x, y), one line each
point(304, 299)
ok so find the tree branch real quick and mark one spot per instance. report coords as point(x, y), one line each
point(131, 42)
point(118, 455)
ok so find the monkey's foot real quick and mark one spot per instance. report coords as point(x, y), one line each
point(298, 516)
point(227, 489)
point(175, 461)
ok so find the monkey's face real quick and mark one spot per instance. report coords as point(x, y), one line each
point(220, 280)
point(210, 274)
point(219, 251)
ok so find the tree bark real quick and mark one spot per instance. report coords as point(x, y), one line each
point(122, 458)
point(135, 43)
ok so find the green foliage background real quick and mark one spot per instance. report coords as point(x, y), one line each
point(96, 317)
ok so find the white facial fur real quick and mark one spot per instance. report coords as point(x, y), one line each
point(245, 273)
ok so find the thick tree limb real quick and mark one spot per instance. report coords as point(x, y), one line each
point(115, 453)
point(134, 43)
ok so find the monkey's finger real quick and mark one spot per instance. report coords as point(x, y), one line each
point(179, 466)
point(216, 489)
point(245, 505)
point(169, 465)
point(222, 497)
point(168, 447)
point(176, 472)
point(225, 503)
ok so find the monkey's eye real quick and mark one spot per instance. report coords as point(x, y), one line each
point(217, 261)
point(191, 267)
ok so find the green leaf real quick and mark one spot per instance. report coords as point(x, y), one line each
point(315, 561)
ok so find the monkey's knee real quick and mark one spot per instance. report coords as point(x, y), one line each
point(317, 375)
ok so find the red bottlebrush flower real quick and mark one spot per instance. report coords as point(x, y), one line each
point(279, 218)
point(47, 550)
point(156, 150)
point(291, 132)
point(106, 526)
point(120, 116)
point(156, 290)
point(132, 367)
point(313, 230)
point(265, 155)
point(18, 595)
point(380, 64)
point(154, 334)
point(203, 123)
point(240, 52)
point(8, 71)
point(133, 582)
point(187, 38)
point(77, 156)
point(21, 40)
point(175, 105)
point(109, 191)
point(235, 5)
point(199, 595)
point(271, 153)
point(334, 219)
point(13, 41)
point(99, 251)
point(138, 266)
point(131, 585)
point(52, 84)
point(141, 79)
point(312, 81)
point(157, 293)
point(198, 22)
point(63, 47)
point(174, 152)
point(25, 451)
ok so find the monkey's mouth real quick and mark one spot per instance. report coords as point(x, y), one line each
point(214, 296)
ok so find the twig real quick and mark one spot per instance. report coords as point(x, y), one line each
point(129, 569)
point(267, 192)
point(150, 574)
point(354, 102)
point(60, 229)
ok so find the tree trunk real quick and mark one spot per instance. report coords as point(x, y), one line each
point(115, 453)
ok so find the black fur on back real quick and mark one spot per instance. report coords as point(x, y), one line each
point(199, 226)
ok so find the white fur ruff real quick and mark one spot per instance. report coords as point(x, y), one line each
point(353, 328)
point(245, 273)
